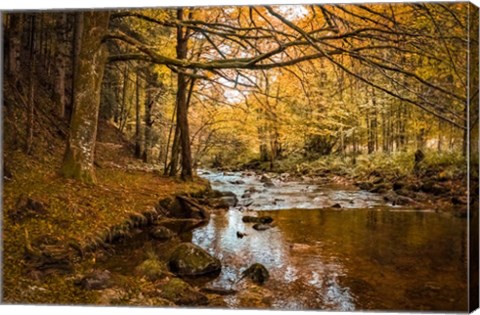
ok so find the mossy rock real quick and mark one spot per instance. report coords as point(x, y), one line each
point(181, 293)
point(190, 260)
point(261, 219)
point(162, 233)
point(152, 269)
point(257, 273)
point(254, 296)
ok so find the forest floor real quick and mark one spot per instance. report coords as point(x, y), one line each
point(49, 215)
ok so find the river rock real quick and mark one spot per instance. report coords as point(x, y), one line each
point(406, 193)
point(162, 233)
point(265, 179)
point(191, 260)
point(380, 188)
point(247, 202)
point(240, 234)
point(257, 273)
point(365, 185)
point(261, 219)
point(398, 200)
point(261, 227)
point(251, 189)
point(237, 182)
point(181, 293)
point(191, 209)
point(224, 202)
point(433, 188)
point(398, 185)
point(180, 226)
point(246, 195)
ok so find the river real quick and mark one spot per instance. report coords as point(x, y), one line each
point(366, 255)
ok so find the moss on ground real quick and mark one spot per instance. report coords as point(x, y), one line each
point(75, 213)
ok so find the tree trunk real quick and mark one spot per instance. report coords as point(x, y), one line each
point(15, 31)
point(76, 45)
point(31, 98)
point(149, 101)
point(123, 116)
point(166, 165)
point(182, 108)
point(138, 122)
point(61, 64)
point(172, 169)
point(79, 155)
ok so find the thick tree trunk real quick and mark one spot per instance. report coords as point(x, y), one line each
point(76, 45)
point(182, 107)
point(79, 155)
point(172, 170)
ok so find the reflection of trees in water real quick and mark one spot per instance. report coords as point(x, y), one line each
point(373, 248)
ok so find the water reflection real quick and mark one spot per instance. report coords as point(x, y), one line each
point(346, 260)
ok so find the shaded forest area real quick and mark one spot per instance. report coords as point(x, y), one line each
point(361, 80)
point(107, 112)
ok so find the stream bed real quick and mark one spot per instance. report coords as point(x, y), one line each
point(365, 255)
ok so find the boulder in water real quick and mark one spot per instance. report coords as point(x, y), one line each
point(191, 260)
point(262, 219)
point(261, 226)
point(257, 273)
point(265, 179)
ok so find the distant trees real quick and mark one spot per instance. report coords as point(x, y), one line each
point(317, 79)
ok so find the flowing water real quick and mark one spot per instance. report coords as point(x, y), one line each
point(364, 255)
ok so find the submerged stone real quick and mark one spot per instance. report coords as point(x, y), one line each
point(262, 219)
point(261, 227)
point(191, 260)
